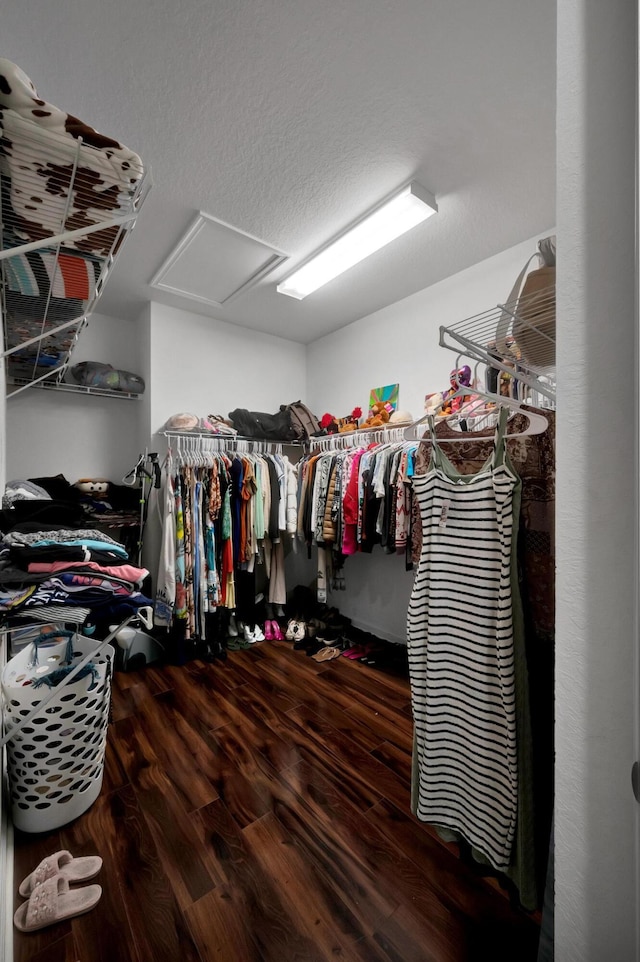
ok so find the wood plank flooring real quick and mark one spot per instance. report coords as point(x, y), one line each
point(257, 810)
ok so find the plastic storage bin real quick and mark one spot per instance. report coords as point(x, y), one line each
point(55, 763)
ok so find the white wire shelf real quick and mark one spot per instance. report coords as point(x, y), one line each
point(65, 387)
point(517, 338)
point(67, 207)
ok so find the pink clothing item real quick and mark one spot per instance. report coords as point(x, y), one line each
point(350, 508)
point(124, 572)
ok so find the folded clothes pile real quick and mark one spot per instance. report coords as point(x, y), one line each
point(69, 574)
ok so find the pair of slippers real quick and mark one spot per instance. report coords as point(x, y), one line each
point(358, 652)
point(312, 647)
point(50, 898)
point(237, 644)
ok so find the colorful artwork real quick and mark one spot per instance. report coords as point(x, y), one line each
point(384, 395)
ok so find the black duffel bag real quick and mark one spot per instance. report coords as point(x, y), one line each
point(263, 427)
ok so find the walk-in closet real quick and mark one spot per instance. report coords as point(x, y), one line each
point(319, 475)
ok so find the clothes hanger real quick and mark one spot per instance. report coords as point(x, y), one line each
point(537, 422)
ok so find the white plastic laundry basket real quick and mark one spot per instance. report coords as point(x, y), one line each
point(55, 761)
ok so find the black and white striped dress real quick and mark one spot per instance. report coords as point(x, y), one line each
point(461, 658)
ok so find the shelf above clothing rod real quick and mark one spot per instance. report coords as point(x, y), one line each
point(517, 338)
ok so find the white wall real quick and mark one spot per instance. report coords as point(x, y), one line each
point(79, 435)
point(190, 363)
point(206, 366)
point(398, 344)
point(597, 518)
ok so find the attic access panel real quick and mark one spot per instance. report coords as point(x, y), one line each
point(214, 262)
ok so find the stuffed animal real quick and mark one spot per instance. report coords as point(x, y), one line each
point(95, 488)
point(433, 403)
point(378, 416)
point(351, 422)
point(328, 424)
point(333, 425)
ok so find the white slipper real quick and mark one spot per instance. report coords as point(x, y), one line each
point(61, 863)
point(52, 901)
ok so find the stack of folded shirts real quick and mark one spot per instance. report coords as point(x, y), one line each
point(67, 574)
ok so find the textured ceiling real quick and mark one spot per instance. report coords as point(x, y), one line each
point(290, 118)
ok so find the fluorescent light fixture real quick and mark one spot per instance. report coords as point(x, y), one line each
point(393, 217)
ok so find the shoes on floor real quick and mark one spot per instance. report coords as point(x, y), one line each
point(296, 630)
point(314, 626)
point(216, 650)
point(326, 654)
point(328, 636)
point(272, 630)
point(233, 627)
point(237, 644)
point(61, 863)
point(258, 634)
point(53, 900)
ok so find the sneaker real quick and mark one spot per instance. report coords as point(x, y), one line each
point(249, 635)
point(258, 634)
point(296, 630)
point(299, 631)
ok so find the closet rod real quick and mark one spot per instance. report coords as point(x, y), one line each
point(195, 442)
point(353, 439)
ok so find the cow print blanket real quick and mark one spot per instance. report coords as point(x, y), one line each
point(41, 194)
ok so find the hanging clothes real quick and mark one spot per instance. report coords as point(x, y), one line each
point(348, 499)
point(461, 652)
point(223, 516)
point(533, 457)
point(165, 598)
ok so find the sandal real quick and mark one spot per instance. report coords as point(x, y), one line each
point(326, 654)
point(237, 644)
point(52, 901)
point(61, 863)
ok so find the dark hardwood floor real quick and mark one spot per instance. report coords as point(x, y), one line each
point(258, 811)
